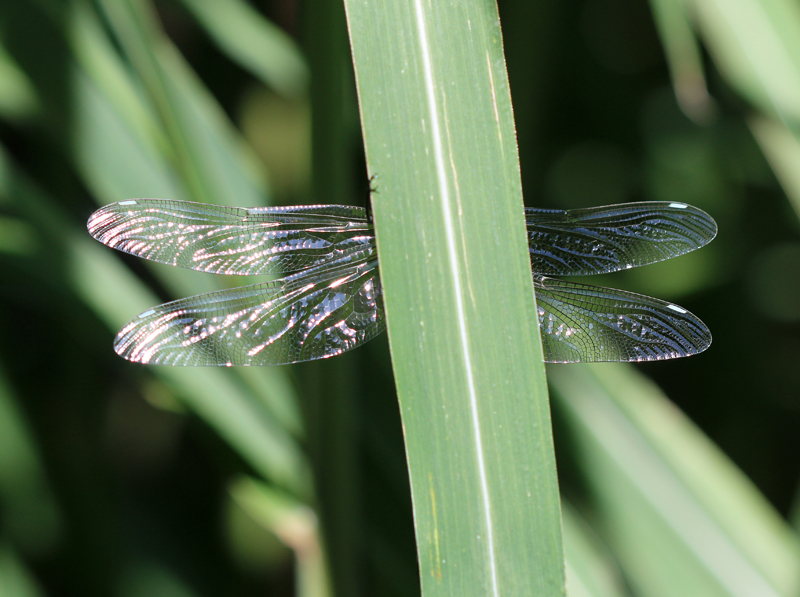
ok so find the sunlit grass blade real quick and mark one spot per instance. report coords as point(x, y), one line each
point(675, 512)
point(756, 46)
point(121, 94)
point(214, 163)
point(106, 286)
point(254, 42)
point(591, 572)
point(17, 97)
point(294, 523)
point(781, 147)
point(120, 153)
point(439, 133)
point(684, 58)
point(15, 577)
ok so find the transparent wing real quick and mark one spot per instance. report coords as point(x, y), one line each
point(615, 237)
point(581, 323)
point(231, 240)
point(335, 302)
point(265, 240)
point(318, 313)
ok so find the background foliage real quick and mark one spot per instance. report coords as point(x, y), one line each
point(124, 480)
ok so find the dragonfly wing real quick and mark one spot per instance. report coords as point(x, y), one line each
point(606, 239)
point(581, 323)
point(231, 240)
point(318, 313)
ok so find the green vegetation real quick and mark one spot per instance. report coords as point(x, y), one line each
point(677, 478)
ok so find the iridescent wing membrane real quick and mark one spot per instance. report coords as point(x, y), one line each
point(332, 304)
point(581, 323)
point(331, 301)
point(231, 240)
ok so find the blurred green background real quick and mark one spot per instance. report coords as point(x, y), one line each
point(119, 479)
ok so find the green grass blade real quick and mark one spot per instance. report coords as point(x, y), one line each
point(95, 52)
point(254, 42)
point(332, 411)
point(684, 58)
point(438, 127)
point(680, 518)
point(121, 152)
point(781, 147)
point(101, 280)
point(295, 523)
point(756, 46)
point(212, 160)
point(591, 572)
point(15, 578)
point(17, 97)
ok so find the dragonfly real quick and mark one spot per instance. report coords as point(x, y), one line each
point(330, 299)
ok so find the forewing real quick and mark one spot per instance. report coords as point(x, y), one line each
point(606, 239)
point(318, 313)
point(581, 323)
point(231, 240)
